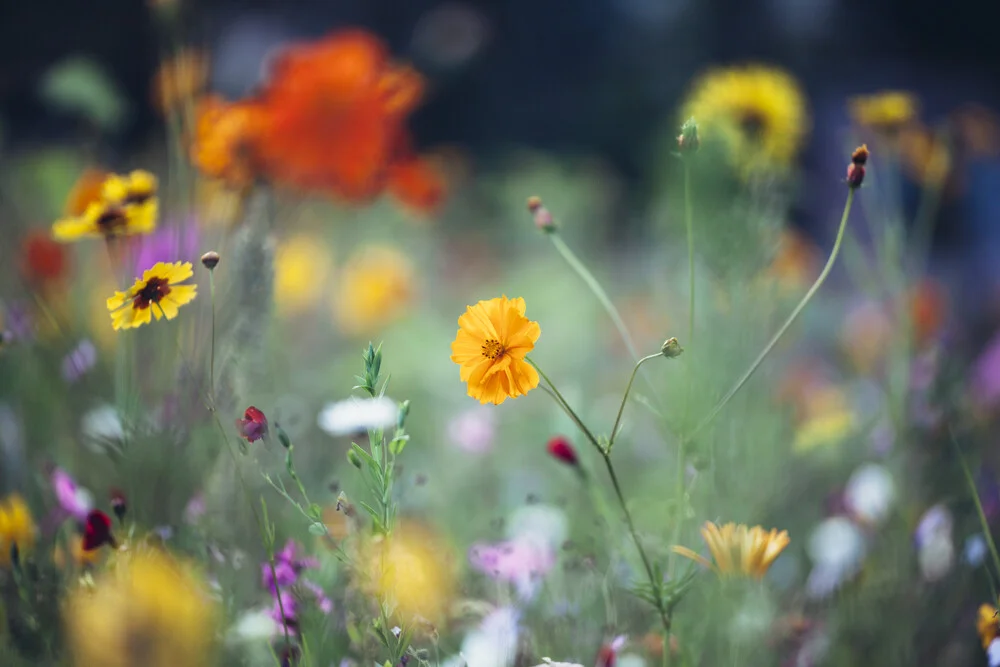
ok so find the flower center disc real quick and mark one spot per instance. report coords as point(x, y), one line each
point(154, 290)
point(492, 349)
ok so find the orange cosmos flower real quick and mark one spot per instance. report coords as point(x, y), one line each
point(225, 135)
point(493, 339)
point(738, 550)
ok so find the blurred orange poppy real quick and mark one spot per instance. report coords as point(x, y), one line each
point(225, 134)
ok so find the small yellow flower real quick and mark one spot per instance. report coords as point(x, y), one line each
point(759, 113)
point(886, 110)
point(412, 570)
point(738, 550)
point(158, 293)
point(16, 527)
point(987, 624)
point(150, 610)
point(301, 273)
point(493, 339)
point(375, 286)
point(127, 205)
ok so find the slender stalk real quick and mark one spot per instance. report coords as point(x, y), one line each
point(561, 401)
point(784, 327)
point(628, 389)
point(211, 367)
point(975, 497)
point(689, 228)
point(596, 288)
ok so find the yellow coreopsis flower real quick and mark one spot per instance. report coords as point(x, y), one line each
point(17, 527)
point(988, 624)
point(375, 286)
point(158, 293)
point(493, 339)
point(127, 205)
point(886, 110)
point(150, 610)
point(758, 112)
point(738, 550)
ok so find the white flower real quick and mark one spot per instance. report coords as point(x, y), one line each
point(975, 550)
point(543, 523)
point(254, 626)
point(357, 415)
point(870, 493)
point(549, 662)
point(103, 424)
point(993, 653)
point(836, 548)
point(936, 552)
point(494, 642)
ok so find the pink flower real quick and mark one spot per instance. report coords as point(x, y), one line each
point(522, 561)
point(75, 501)
point(253, 426)
point(473, 430)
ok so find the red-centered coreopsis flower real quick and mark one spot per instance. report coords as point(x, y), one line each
point(336, 112)
point(97, 531)
point(562, 449)
point(43, 261)
point(253, 426)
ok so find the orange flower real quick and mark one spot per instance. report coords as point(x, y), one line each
point(336, 113)
point(86, 190)
point(928, 311)
point(417, 184)
point(224, 139)
point(179, 79)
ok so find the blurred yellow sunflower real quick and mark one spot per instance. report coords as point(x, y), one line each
point(150, 610)
point(17, 527)
point(886, 110)
point(413, 570)
point(127, 205)
point(158, 293)
point(757, 112)
point(375, 286)
point(302, 266)
point(738, 550)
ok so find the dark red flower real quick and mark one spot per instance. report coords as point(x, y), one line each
point(561, 449)
point(43, 261)
point(97, 531)
point(253, 426)
point(118, 504)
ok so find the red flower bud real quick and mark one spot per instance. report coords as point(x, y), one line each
point(253, 426)
point(97, 531)
point(855, 175)
point(118, 504)
point(561, 449)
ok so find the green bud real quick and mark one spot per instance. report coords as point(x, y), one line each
point(671, 348)
point(354, 459)
point(404, 411)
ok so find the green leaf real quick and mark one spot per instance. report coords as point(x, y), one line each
point(398, 444)
point(317, 529)
point(315, 511)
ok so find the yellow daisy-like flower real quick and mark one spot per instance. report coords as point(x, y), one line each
point(375, 286)
point(988, 624)
point(738, 550)
point(150, 610)
point(158, 293)
point(127, 205)
point(886, 110)
point(493, 339)
point(16, 527)
point(759, 113)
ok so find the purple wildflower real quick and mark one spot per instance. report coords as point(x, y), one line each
point(80, 360)
point(73, 500)
point(170, 243)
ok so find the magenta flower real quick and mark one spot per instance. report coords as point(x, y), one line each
point(73, 500)
point(522, 561)
point(286, 584)
point(169, 243)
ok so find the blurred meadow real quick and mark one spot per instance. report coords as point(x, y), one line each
point(340, 337)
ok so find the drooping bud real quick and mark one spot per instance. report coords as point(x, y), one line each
point(562, 449)
point(543, 218)
point(671, 348)
point(856, 170)
point(253, 426)
point(688, 140)
point(210, 260)
point(118, 504)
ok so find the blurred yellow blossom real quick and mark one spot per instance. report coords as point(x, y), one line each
point(490, 347)
point(16, 527)
point(886, 110)
point(150, 610)
point(827, 420)
point(75, 555)
point(126, 205)
point(924, 157)
point(738, 550)
point(302, 266)
point(180, 79)
point(375, 286)
point(158, 293)
point(987, 624)
point(759, 113)
point(413, 569)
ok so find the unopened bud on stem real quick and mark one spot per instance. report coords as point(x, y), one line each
point(671, 348)
point(210, 260)
point(543, 218)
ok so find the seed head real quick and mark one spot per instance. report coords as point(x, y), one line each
point(210, 260)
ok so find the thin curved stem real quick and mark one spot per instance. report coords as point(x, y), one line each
point(689, 228)
point(784, 327)
point(628, 390)
point(564, 404)
point(211, 367)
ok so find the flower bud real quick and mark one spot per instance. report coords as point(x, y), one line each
point(671, 348)
point(543, 218)
point(354, 459)
point(855, 176)
point(253, 426)
point(688, 140)
point(118, 504)
point(860, 155)
point(210, 259)
point(561, 449)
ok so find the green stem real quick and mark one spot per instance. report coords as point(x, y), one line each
point(689, 227)
point(561, 401)
point(628, 389)
point(211, 367)
point(987, 533)
point(784, 327)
